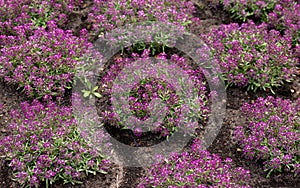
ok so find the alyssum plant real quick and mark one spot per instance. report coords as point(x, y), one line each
point(252, 56)
point(44, 146)
point(272, 134)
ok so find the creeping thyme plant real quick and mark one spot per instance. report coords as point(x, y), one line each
point(197, 168)
point(253, 57)
point(45, 146)
point(272, 133)
point(37, 55)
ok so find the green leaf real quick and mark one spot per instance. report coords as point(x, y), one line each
point(95, 88)
point(97, 95)
point(88, 83)
point(86, 93)
point(269, 173)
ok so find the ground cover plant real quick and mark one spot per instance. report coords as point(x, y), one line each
point(44, 43)
point(35, 13)
point(252, 56)
point(135, 38)
point(197, 168)
point(42, 11)
point(106, 16)
point(272, 133)
point(282, 15)
point(43, 65)
point(152, 88)
point(257, 9)
point(45, 146)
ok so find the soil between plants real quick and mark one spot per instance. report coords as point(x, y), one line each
point(224, 145)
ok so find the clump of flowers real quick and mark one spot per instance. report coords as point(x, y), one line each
point(282, 15)
point(108, 15)
point(272, 133)
point(42, 11)
point(44, 146)
point(151, 88)
point(20, 19)
point(14, 20)
point(147, 90)
point(36, 12)
point(253, 57)
point(197, 168)
point(13, 13)
point(241, 9)
point(45, 64)
point(140, 36)
point(286, 17)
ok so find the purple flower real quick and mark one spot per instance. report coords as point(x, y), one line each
point(153, 88)
point(39, 153)
point(117, 14)
point(253, 56)
point(195, 168)
point(271, 138)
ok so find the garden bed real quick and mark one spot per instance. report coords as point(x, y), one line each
point(224, 145)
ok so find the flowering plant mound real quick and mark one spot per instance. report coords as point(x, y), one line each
point(272, 134)
point(241, 9)
point(137, 37)
point(147, 90)
point(152, 88)
point(42, 11)
point(45, 64)
point(250, 55)
point(286, 17)
point(108, 15)
point(197, 168)
point(45, 146)
point(13, 13)
point(280, 14)
point(34, 12)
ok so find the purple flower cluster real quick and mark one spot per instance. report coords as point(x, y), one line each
point(272, 133)
point(42, 11)
point(152, 88)
point(284, 15)
point(251, 55)
point(197, 168)
point(108, 15)
point(45, 146)
point(149, 89)
point(34, 13)
point(139, 36)
point(243, 9)
point(14, 13)
point(45, 64)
